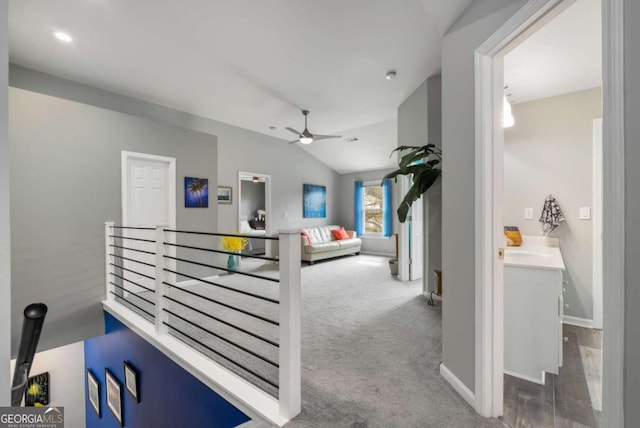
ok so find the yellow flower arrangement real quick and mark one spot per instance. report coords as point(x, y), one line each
point(234, 243)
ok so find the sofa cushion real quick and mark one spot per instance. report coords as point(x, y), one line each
point(321, 248)
point(340, 234)
point(350, 243)
point(320, 234)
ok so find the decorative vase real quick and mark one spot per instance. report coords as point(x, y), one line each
point(232, 264)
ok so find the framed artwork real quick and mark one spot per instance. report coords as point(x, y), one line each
point(114, 395)
point(37, 391)
point(93, 392)
point(196, 192)
point(131, 381)
point(224, 194)
point(314, 200)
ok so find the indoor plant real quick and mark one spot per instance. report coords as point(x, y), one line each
point(233, 244)
point(422, 162)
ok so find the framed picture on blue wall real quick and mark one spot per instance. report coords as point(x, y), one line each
point(196, 192)
point(314, 201)
point(131, 381)
point(114, 395)
point(93, 392)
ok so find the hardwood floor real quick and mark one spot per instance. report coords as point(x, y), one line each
point(565, 400)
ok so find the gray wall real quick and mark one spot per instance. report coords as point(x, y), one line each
point(346, 204)
point(419, 123)
point(550, 150)
point(5, 229)
point(632, 200)
point(476, 24)
point(238, 149)
point(252, 196)
point(65, 183)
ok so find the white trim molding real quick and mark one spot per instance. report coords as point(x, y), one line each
point(578, 322)
point(613, 215)
point(489, 321)
point(597, 177)
point(269, 250)
point(457, 384)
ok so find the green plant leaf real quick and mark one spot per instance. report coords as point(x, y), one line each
point(423, 174)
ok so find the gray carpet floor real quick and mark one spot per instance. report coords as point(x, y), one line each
point(371, 346)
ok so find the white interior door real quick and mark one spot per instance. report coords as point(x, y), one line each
point(148, 200)
point(416, 241)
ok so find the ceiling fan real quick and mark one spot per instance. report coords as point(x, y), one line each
point(306, 137)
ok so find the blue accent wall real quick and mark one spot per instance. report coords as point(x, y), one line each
point(169, 395)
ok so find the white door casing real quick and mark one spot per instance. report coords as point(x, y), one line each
point(489, 316)
point(596, 218)
point(268, 224)
point(404, 183)
point(148, 200)
point(417, 240)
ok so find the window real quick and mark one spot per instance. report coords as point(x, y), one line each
point(373, 203)
point(372, 208)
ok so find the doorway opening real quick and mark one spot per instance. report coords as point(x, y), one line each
point(490, 200)
point(552, 350)
point(254, 211)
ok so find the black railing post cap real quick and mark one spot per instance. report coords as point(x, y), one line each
point(35, 311)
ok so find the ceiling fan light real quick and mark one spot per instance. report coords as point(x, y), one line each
point(306, 140)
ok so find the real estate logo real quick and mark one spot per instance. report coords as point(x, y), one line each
point(32, 417)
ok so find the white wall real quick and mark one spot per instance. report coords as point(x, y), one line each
point(66, 380)
point(65, 183)
point(346, 204)
point(5, 230)
point(632, 201)
point(419, 123)
point(550, 151)
point(238, 150)
point(481, 19)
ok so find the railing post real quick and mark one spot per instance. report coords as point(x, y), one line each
point(290, 324)
point(161, 277)
point(108, 268)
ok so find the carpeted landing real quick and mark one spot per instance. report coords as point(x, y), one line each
point(371, 346)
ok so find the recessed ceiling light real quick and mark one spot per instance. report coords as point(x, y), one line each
point(390, 75)
point(64, 37)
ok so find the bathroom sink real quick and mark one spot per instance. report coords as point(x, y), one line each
point(516, 252)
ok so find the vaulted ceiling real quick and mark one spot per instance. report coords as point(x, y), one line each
point(253, 64)
point(256, 64)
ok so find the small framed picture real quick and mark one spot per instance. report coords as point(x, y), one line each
point(224, 194)
point(196, 192)
point(131, 381)
point(93, 392)
point(114, 395)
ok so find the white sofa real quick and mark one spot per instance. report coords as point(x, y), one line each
point(324, 246)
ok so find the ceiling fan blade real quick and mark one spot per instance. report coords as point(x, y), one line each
point(325, 137)
point(293, 130)
point(294, 141)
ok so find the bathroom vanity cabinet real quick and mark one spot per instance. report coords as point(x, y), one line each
point(533, 309)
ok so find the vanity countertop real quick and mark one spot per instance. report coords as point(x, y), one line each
point(535, 252)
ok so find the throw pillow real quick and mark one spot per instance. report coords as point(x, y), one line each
point(340, 234)
point(306, 236)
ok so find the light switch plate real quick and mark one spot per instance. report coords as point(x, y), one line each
point(585, 213)
point(528, 213)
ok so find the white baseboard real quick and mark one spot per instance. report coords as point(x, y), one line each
point(255, 424)
point(375, 253)
point(578, 322)
point(528, 378)
point(457, 384)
